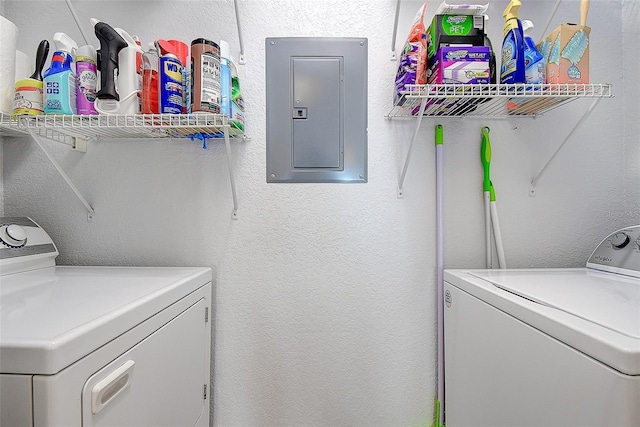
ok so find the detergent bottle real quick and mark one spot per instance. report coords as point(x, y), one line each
point(60, 78)
point(512, 69)
point(534, 64)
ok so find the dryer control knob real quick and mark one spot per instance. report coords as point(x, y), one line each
point(13, 235)
point(620, 240)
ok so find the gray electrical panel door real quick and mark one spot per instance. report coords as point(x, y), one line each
point(316, 109)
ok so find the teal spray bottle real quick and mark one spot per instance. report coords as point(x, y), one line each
point(534, 63)
point(60, 78)
point(512, 69)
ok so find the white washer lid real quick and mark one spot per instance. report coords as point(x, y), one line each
point(608, 300)
point(596, 313)
point(51, 317)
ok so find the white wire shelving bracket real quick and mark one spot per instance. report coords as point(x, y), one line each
point(242, 59)
point(75, 131)
point(395, 32)
point(491, 101)
point(91, 213)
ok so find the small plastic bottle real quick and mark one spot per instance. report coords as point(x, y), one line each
point(150, 81)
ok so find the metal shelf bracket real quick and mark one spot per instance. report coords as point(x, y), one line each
point(242, 60)
point(227, 143)
point(395, 32)
point(536, 178)
point(90, 211)
point(423, 104)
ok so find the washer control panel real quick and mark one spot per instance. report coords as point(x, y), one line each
point(618, 253)
point(24, 246)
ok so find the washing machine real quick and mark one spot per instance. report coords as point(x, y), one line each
point(546, 347)
point(99, 346)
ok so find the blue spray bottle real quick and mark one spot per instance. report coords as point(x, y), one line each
point(60, 78)
point(534, 63)
point(512, 69)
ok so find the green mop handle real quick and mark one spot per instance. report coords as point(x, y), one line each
point(485, 156)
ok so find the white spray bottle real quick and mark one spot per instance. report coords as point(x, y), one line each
point(127, 82)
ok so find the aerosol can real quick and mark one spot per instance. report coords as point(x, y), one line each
point(117, 62)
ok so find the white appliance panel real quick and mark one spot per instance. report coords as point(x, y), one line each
point(63, 400)
point(96, 346)
point(167, 367)
point(15, 393)
point(599, 338)
point(501, 372)
point(609, 300)
point(53, 316)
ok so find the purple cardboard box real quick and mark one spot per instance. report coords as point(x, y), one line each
point(461, 65)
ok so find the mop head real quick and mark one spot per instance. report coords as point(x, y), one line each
point(554, 56)
point(545, 49)
point(576, 47)
point(574, 50)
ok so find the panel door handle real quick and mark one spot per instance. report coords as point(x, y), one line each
point(111, 386)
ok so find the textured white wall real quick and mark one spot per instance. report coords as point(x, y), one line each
point(326, 293)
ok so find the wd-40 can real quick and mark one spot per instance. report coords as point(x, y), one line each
point(170, 84)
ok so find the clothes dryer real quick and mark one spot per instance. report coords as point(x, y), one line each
point(99, 346)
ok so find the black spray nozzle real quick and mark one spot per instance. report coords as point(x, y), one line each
point(111, 43)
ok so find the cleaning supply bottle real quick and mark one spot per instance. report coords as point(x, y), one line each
point(119, 90)
point(150, 80)
point(225, 79)
point(237, 101)
point(181, 50)
point(86, 80)
point(534, 64)
point(60, 78)
point(513, 68)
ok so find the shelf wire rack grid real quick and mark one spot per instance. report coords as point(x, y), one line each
point(9, 127)
point(492, 100)
point(64, 127)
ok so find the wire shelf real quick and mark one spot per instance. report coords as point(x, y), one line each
point(492, 100)
point(63, 128)
point(9, 127)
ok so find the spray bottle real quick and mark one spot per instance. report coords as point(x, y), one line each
point(150, 80)
point(60, 78)
point(513, 68)
point(87, 79)
point(119, 90)
point(225, 79)
point(535, 67)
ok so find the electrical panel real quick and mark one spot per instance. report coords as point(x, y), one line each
point(316, 90)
